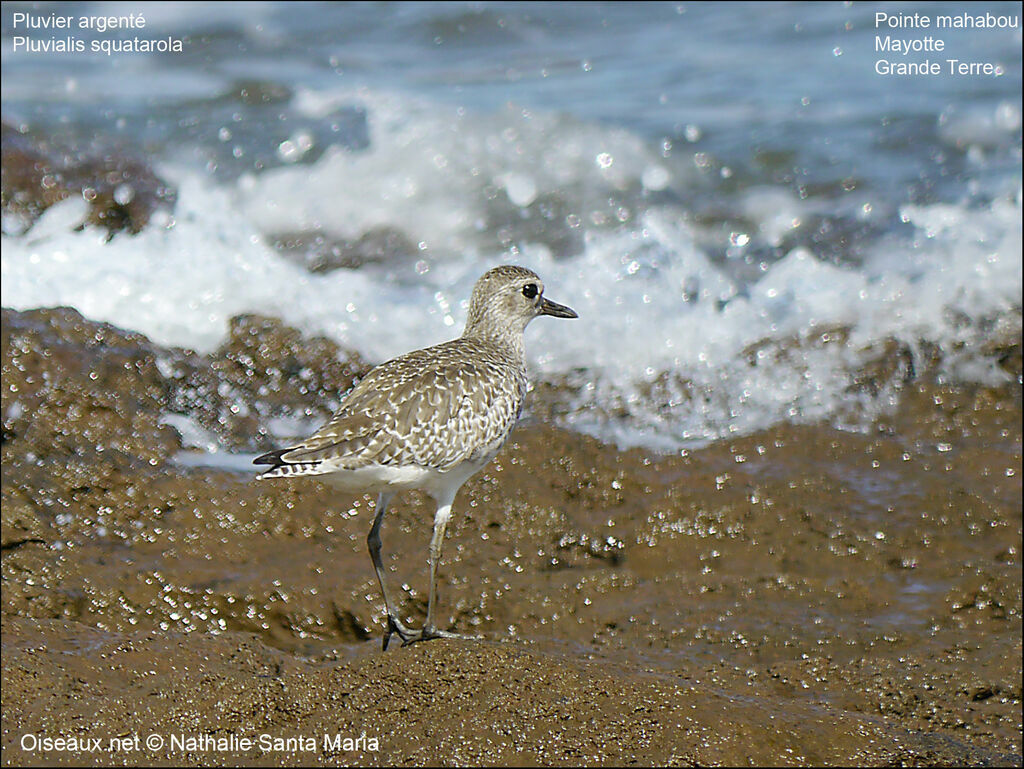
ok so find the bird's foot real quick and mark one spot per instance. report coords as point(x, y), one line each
point(429, 633)
point(396, 627)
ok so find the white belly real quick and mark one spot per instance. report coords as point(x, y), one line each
point(378, 479)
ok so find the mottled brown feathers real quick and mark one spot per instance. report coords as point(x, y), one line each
point(437, 407)
point(431, 407)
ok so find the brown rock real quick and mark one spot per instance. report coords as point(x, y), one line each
point(122, 193)
point(320, 253)
point(801, 595)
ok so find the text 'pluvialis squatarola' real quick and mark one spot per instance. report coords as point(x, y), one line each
point(429, 419)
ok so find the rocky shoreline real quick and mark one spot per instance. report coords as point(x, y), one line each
point(801, 595)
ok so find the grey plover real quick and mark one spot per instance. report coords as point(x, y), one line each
point(429, 420)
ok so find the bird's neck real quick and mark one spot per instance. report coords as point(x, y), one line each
point(506, 340)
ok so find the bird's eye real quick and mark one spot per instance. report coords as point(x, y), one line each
point(530, 290)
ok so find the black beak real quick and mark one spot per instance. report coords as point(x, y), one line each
point(547, 307)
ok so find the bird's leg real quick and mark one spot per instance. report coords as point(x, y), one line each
point(373, 544)
point(429, 631)
point(444, 512)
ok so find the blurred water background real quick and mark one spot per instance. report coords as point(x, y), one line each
point(750, 221)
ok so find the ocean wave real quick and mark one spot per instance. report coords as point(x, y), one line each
point(682, 338)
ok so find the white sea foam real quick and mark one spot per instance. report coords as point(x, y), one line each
point(193, 435)
point(670, 348)
point(432, 168)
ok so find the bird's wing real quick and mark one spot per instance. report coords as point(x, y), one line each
point(431, 408)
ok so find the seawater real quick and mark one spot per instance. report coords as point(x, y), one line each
point(742, 211)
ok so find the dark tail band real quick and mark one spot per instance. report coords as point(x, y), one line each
point(271, 458)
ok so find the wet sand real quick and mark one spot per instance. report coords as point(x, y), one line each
point(802, 595)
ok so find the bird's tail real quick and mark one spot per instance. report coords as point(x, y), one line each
point(281, 467)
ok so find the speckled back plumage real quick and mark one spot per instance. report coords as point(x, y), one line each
point(433, 408)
